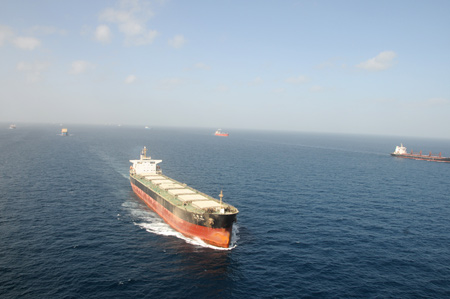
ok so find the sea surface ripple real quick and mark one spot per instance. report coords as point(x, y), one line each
point(321, 215)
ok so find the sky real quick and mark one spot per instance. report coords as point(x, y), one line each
point(357, 67)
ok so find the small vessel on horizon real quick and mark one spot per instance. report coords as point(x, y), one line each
point(12, 126)
point(64, 132)
point(220, 133)
point(400, 151)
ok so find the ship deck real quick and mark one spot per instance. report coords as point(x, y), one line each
point(183, 196)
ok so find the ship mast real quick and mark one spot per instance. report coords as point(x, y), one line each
point(221, 196)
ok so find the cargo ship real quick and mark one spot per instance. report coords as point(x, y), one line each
point(400, 151)
point(220, 133)
point(64, 132)
point(191, 212)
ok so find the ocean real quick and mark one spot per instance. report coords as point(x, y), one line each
point(321, 215)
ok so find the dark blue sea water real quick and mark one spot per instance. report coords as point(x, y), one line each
point(320, 216)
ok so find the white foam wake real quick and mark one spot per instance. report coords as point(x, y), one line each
point(151, 222)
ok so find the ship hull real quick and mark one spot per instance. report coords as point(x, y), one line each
point(420, 157)
point(213, 229)
point(222, 134)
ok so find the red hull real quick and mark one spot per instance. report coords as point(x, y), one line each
point(215, 236)
point(222, 134)
point(424, 158)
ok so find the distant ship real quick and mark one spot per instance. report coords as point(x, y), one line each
point(64, 132)
point(12, 126)
point(191, 212)
point(220, 133)
point(400, 151)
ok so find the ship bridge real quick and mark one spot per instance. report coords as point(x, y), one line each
point(145, 165)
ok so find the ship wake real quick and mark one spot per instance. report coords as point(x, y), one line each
point(151, 222)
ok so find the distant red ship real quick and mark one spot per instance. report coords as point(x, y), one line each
point(400, 151)
point(220, 133)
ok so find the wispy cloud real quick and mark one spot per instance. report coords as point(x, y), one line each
point(146, 38)
point(177, 41)
point(256, 81)
point(382, 61)
point(79, 67)
point(130, 79)
point(33, 71)
point(170, 83)
point(297, 80)
point(222, 88)
point(317, 88)
point(103, 34)
point(389, 101)
point(278, 90)
point(131, 19)
point(437, 102)
point(202, 66)
point(26, 43)
point(198, 66)
point(5, 34)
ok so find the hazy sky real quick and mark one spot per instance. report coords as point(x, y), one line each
point(377, 67)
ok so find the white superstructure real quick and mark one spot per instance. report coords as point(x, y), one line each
point(145, 165)
point(400, 150)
